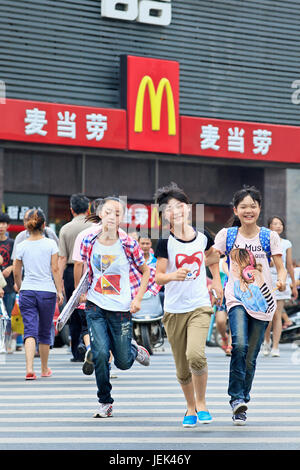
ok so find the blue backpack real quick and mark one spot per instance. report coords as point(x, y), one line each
point(264, 238)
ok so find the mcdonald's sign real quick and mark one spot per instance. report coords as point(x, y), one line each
point(151, 97)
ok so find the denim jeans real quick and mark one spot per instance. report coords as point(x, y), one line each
point(109, 331)
point(247, 336)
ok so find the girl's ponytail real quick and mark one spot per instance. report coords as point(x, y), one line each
point(35, 220)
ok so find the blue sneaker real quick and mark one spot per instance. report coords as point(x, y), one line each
point(204, 417)
point(189, 421)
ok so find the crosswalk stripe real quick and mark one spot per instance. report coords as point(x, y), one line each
point(134, 396)
point(107, 428)
point(193, 438)
point(255, 407)
point(142, 419)
point(120, 388)
point(148, 409)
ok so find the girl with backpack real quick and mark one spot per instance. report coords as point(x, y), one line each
point(250, 297)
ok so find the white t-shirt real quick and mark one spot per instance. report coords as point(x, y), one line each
point(110, 288)
point(287, 294)
point(185, 296)
point(36, 258)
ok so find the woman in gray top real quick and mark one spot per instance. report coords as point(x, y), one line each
point(39, 290)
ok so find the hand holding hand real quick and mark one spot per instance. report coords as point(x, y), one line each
point(135, 305)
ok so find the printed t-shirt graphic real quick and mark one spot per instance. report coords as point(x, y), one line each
point(256, 297)
point(192, 262)
point(182, 297)
point(110, 288)
point(107, 284)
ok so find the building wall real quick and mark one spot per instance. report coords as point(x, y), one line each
point(293, 211)
point(238, 59)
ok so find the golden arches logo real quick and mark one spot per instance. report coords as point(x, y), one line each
point(155, 104)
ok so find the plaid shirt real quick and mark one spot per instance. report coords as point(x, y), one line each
point(135, 258)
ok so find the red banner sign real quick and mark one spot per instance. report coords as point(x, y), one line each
point(52, 123)
point(236, 139)
point(150, 122)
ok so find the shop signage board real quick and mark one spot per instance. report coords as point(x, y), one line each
point(63, 124)
point(149, 121)
point(151, 98)
point(239, 140)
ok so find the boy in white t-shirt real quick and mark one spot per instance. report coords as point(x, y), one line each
point(181, 268)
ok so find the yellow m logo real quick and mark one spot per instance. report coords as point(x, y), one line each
point(155, 103)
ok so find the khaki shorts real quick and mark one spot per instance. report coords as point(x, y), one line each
point(187, 334)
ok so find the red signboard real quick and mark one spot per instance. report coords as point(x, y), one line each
point(237, 139)
point(52, 123)
point(149, 122)
point(152, 104)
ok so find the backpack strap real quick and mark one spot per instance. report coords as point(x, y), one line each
point(230, 240)
point(265, 241)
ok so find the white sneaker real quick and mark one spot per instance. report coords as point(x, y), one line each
point(104, 411)
point(275, 353)
point(143, 357)
point(266, 348)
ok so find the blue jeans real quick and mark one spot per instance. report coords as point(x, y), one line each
point(247, 336)
point(109, 331)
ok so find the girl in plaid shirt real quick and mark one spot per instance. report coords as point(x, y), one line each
point(118, 279)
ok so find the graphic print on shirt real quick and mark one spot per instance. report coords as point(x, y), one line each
point(5, 253)
point(249, 284)
point(107, 284)
point(191, 262)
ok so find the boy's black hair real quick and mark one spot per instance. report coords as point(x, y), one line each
point(172, 191)
point(4, 217)
point(79, 203)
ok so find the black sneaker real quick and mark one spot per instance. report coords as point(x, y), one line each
point(88, 366)
point(81, 350)
point(239, 419)
point(238, 406)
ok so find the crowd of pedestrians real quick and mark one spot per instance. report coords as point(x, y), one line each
point(251, 275)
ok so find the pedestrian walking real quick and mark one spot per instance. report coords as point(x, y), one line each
point(146, 247)
point(49, 233)
point(38, 291)
point(118, 279)
point(6, 266)
point(250, 300)
point(79, 205)
point(187, 307)
point(79, 269)
point(277, 224)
